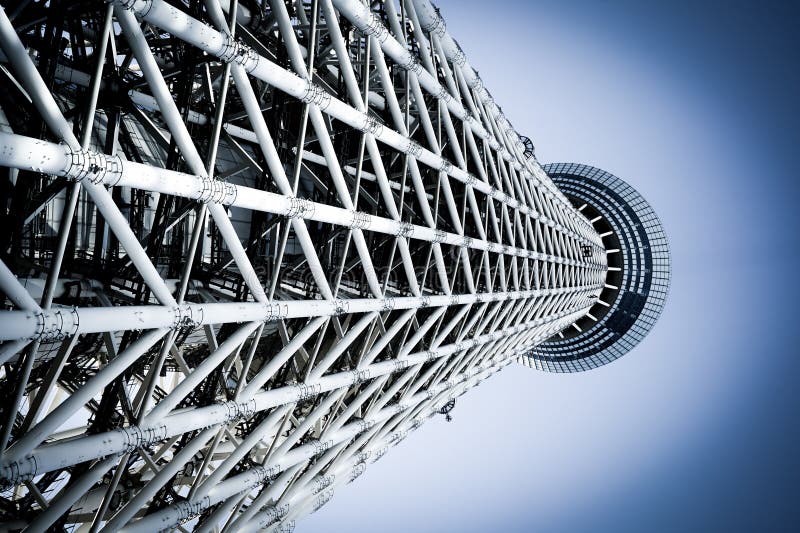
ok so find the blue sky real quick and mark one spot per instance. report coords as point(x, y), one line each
point(696, 106)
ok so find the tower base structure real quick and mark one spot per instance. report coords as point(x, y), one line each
point(248, 246)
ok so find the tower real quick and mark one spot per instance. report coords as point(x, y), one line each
point(249, 246)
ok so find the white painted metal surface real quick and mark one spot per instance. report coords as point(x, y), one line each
point(362, 237)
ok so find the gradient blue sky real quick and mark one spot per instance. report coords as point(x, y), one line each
point(696, 106)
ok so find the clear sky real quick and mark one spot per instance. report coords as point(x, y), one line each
point(696, 106)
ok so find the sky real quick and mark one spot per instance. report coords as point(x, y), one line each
point(697, 429)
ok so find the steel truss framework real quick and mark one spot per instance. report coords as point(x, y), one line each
point(249, 246)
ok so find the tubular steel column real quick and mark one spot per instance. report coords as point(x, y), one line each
point(322, 231)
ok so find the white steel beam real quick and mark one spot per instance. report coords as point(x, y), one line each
point(322, 231)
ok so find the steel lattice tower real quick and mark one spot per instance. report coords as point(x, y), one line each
point(248, 246)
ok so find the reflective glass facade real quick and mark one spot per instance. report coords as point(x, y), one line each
point(638, 278)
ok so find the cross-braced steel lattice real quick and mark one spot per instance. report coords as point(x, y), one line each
point(247, 246)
